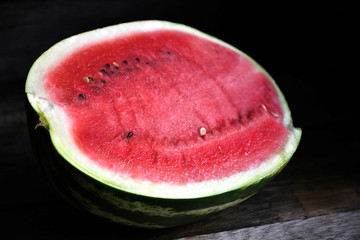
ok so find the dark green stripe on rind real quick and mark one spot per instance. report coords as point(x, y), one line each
point(90, 195)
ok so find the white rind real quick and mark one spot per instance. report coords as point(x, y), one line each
point(59, 124)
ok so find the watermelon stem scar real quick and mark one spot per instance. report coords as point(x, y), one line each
point(155, 124)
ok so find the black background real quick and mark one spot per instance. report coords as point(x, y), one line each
point(309, 50)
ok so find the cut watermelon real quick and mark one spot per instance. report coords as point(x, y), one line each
point(155, 124)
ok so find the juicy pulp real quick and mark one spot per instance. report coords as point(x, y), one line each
point(137, 103)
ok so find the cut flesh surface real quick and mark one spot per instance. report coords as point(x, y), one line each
point(166, 106)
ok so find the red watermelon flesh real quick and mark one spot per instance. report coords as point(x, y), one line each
point(168, 106)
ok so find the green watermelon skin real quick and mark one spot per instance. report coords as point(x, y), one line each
point(85, 193)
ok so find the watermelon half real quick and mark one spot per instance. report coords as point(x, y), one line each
point(155, 124)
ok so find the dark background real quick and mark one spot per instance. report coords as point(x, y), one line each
point(309, 50)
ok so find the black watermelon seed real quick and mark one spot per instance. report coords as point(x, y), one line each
point(107, 65)
point(102, 80)
point(103, 71)
point(82, 96)
point(137, 59)
point(126, 62)
point(130, 134)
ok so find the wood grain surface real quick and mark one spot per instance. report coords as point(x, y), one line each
point(317, 196)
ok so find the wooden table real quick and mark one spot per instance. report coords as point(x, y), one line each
point(313, 198)
point(317, 196)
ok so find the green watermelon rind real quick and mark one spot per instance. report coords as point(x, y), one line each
point(144, 204)
point(90, 195)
